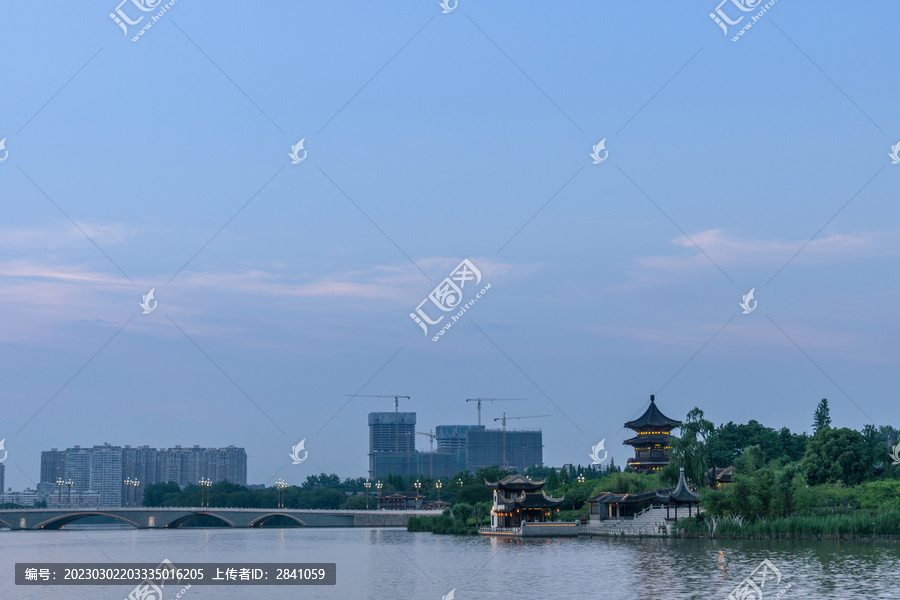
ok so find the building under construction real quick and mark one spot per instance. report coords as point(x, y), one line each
point(459, 448)
point(391, 433)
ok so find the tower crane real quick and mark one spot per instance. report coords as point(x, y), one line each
point(431, 437)
point(480, 400)
point(503, 420)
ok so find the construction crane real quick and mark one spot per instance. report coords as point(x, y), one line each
point(480, 400)
point(431, 437)
point(396, 398)
point(503, 420)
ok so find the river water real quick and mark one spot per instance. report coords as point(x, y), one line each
point(375, 564)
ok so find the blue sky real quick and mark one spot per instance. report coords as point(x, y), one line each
point(432, 138)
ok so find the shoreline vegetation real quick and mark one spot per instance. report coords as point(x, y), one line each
point(836, 484)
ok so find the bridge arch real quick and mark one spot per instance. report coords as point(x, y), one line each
point(61, 521)
point(261, 520)
point(178, 522)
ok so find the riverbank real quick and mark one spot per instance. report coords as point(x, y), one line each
point(858, 527)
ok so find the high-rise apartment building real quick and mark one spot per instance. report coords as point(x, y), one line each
point(506, 449)
point(53, 465)
point(391, 432)
point(106, 474)
point(101, 470)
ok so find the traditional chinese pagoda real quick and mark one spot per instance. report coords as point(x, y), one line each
point(518, 500)
point(651, 444)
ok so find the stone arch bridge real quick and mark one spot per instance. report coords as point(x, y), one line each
point(168, 518)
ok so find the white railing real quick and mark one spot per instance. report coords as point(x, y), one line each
point(499, 529)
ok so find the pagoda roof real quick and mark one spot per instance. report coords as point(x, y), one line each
point(653, 417)
point(536, 500)
point(515, 482)
point(682, 494)
point(648, 440)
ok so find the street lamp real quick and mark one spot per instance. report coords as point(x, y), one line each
point(438, 485)
point(417, 485)
point(134, 484)
point(59, 484)
point(368, 484)
point(460, 482)
point(581, 479)
point(69, 483)
point(281, 485)
point(379, 485)
point(205, 483)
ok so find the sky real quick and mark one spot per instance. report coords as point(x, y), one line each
point(282, 287)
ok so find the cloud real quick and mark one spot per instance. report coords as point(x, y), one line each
point(726, 250)
point(65, 235)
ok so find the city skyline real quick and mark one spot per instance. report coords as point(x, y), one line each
point(622, 180)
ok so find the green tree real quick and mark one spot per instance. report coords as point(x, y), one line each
point(822, 416)
point(461, 511)
point(699, 432)
point(159, 494)
point(357, 502)
point(837, 456)
point(552, 480)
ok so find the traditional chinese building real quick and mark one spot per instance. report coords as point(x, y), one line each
point(715, 478)
point(651, 444)
point(518, 500)
point(607, 505)
point(399, 501)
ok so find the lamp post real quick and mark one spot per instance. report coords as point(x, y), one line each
point(368, 484)
point(134, 484)
point(581, 479)
point(438, 485)
point(127, 483)
point(59, 484)
point(418, 486)
point(205, 483)
point(378, 485)
point(281, 485)
point(69, 484)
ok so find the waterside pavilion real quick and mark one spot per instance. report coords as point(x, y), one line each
point(518, 500)
point(606, 505)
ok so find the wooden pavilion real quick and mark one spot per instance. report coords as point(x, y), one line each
point(682, 494)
